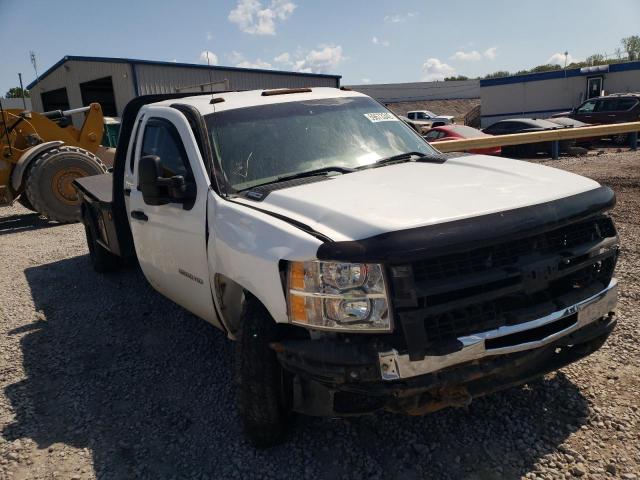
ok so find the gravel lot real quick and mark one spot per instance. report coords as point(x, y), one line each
point(100, 377)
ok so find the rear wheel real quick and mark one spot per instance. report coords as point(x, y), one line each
point(620, 139)
point(49, 182)
point(263, 388)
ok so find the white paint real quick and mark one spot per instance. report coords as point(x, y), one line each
point(395, 197)
point(247, 246)
point(173, 239)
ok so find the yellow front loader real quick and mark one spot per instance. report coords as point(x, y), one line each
point(42, 153)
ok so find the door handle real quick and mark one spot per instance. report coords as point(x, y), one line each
point(139, 215)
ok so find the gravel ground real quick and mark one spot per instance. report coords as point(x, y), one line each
point(101, 377)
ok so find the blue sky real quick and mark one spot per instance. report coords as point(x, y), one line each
point(364, 41)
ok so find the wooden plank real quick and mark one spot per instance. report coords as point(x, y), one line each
point(535, 137)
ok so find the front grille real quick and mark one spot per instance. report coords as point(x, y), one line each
point(507, 253)
point(503, 283)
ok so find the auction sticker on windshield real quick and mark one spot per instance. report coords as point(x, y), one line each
point(381, 117)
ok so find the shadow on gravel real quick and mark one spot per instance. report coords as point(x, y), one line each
point(24, 223)
point(146, 387)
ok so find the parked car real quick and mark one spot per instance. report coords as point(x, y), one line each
point(355, 267)
point(570, 122)
point(457, 132)
point(614, 108)
point(524, 125)
point(429, 119)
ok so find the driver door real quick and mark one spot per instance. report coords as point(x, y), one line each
point(170, 239)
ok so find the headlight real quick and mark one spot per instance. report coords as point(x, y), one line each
point(338, 296)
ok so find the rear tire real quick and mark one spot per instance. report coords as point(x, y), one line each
point(48, 184)
point(102, 260)
point(262, 386)
point(620, 139)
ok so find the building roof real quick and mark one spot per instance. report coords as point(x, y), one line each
point(573, 72)
point(135, 61)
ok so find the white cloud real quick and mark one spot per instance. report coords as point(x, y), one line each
point(326, 59)
point(399, 17)
point(283, 59)
point(239, 60)
point(472, 56)
point(209, 36)
point(366, 80)
point(434, 69)
point(252, 17)
point(558, 59)
point(377, 41)
point(491, 53)
point(207, 56)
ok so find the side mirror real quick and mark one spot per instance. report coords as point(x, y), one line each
point(149, 174)
point(157, 190)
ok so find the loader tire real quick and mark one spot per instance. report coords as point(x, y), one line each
point(49, 182)
point(263, 388)
point(24, 201)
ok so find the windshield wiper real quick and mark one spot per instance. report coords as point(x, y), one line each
point(405, 157)
point(308, 173)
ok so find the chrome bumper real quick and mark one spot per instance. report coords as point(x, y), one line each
point(394, 366)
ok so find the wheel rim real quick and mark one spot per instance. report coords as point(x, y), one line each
point(62, 184)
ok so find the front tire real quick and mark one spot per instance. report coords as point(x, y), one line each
point(49, 182)
point(262, 386)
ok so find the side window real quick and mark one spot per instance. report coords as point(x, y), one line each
point(608, 105)
point(625, 104)
point(162, 139)
point(432, 135)
point(411, 116)
point(587, 107)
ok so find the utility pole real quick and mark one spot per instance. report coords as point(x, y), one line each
point(24, 102)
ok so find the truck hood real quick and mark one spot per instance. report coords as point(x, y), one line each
point(407, 195)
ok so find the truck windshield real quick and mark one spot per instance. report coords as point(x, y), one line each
point(257, 145)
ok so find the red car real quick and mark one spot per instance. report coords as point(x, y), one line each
point(457, 132)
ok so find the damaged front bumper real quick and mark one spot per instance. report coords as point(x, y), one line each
point(357, 375)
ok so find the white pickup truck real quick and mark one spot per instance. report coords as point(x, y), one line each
point(357, 268)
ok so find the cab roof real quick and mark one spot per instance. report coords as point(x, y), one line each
point(219, 102)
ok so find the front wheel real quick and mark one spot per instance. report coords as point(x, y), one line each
point(263, 388)
point(49, 183)
point(620, 139)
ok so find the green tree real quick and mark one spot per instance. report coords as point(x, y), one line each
point(596, 59)
point(498, 74)
point(632, 47)
point(16, 92)
point(458, 77)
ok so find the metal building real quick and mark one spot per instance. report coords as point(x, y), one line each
point(75, 81)
point(420, 91)
point(540, 95)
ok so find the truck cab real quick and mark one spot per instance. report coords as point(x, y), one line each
point(355, 267)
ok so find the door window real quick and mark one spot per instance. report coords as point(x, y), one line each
point(608, 105)
point(162, 139)
point(587, 107)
